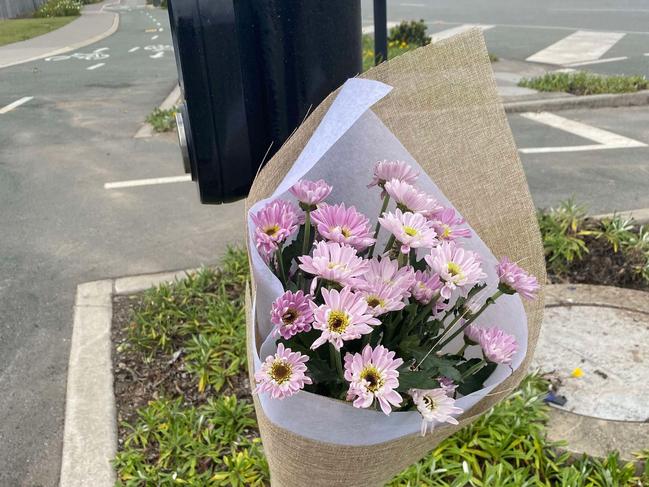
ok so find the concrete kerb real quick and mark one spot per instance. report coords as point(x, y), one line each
point(90, 432)
point(639, 98)
point(172, 99)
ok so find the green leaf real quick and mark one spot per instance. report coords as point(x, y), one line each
point(476, 381)
point(422, 379)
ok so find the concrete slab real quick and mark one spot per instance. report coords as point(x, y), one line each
point(603, 331)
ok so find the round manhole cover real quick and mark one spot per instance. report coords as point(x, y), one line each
point(610, 346)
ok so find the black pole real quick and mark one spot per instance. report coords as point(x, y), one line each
point(380, 31)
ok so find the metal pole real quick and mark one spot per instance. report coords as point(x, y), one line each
point(380, 31)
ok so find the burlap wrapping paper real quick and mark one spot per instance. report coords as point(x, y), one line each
point(445, 110)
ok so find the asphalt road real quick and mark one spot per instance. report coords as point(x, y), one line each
point(519, 29)
point(60, 227)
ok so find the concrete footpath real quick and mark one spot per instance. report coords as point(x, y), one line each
point(94, 24)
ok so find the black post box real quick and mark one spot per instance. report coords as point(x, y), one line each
point(249, 71)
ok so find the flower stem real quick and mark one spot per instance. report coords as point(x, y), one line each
point(384, 207)
point(402, 259)
point(305, 244)
point(474, 369)
point(336, 360)
point(280, 265)
point(471, 319)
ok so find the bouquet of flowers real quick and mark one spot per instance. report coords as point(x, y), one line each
point(376, 327)
point(380, 320)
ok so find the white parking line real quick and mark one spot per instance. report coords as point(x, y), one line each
point(15, 104)
point(95, 66)
point(599, 61)
point(155, 37)
point(133, 49)
point(157, 55)
point(445, 34)
point(578, 47)
point(148, 182)
point(603, 138)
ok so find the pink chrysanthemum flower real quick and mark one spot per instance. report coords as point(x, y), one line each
point(310, 193)
point(472, 333)
point(334, 262)
point(409, 198)
point(373, 375)
point(411, 230)
point(383, 298)
point(343, 225)
point(384, 171)
point(343, 316)
point(426, 285)
point(513, 279)
point(387, 271)
point(435, 406)
point(291, 314)
point(458, 268)
point(447, 225)
point(447, 384)
point(274, 223)
point(282, 374)
point(497, 346)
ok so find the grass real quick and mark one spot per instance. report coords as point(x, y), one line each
point(17, 30)
point(584, 83)
point(215, 442)
point(162, 120)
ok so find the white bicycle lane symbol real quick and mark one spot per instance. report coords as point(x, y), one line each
point(158, 49)
point(86, 56)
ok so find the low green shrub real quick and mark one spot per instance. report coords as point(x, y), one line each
point(409, 32)
point(162, 120)
point(59, 8)
point(216, 442)
point(584, 83)
point(569, 236)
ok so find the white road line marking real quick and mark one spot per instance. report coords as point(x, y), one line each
point(604, 138)
point(158, 24)
point(580, 46)
point(445, 34)
point(160, 29)
point(95, 66)
point(157, 55)
point(15, 104)
point(155, 37)
point(148, 182)
point(599, 61)
point(133, 49)
point(569, 148)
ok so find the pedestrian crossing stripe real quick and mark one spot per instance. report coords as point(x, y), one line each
point(579, 47)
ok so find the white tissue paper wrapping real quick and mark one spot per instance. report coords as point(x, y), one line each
point(343, 151)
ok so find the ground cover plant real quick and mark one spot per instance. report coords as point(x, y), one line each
point(59, 8)
point(178, 430)
point(584, 83)
point(611, 251)
point(162, 120)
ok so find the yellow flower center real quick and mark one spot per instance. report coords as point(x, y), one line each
point(345, 231)
point(454, 269)
point(373, 378)
point(280, 371)
point(410, 231)
point(374, 301)
point(272, 230)
point(429, 403)
point(338, 321)
point(290, 316)
point(447, 231)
